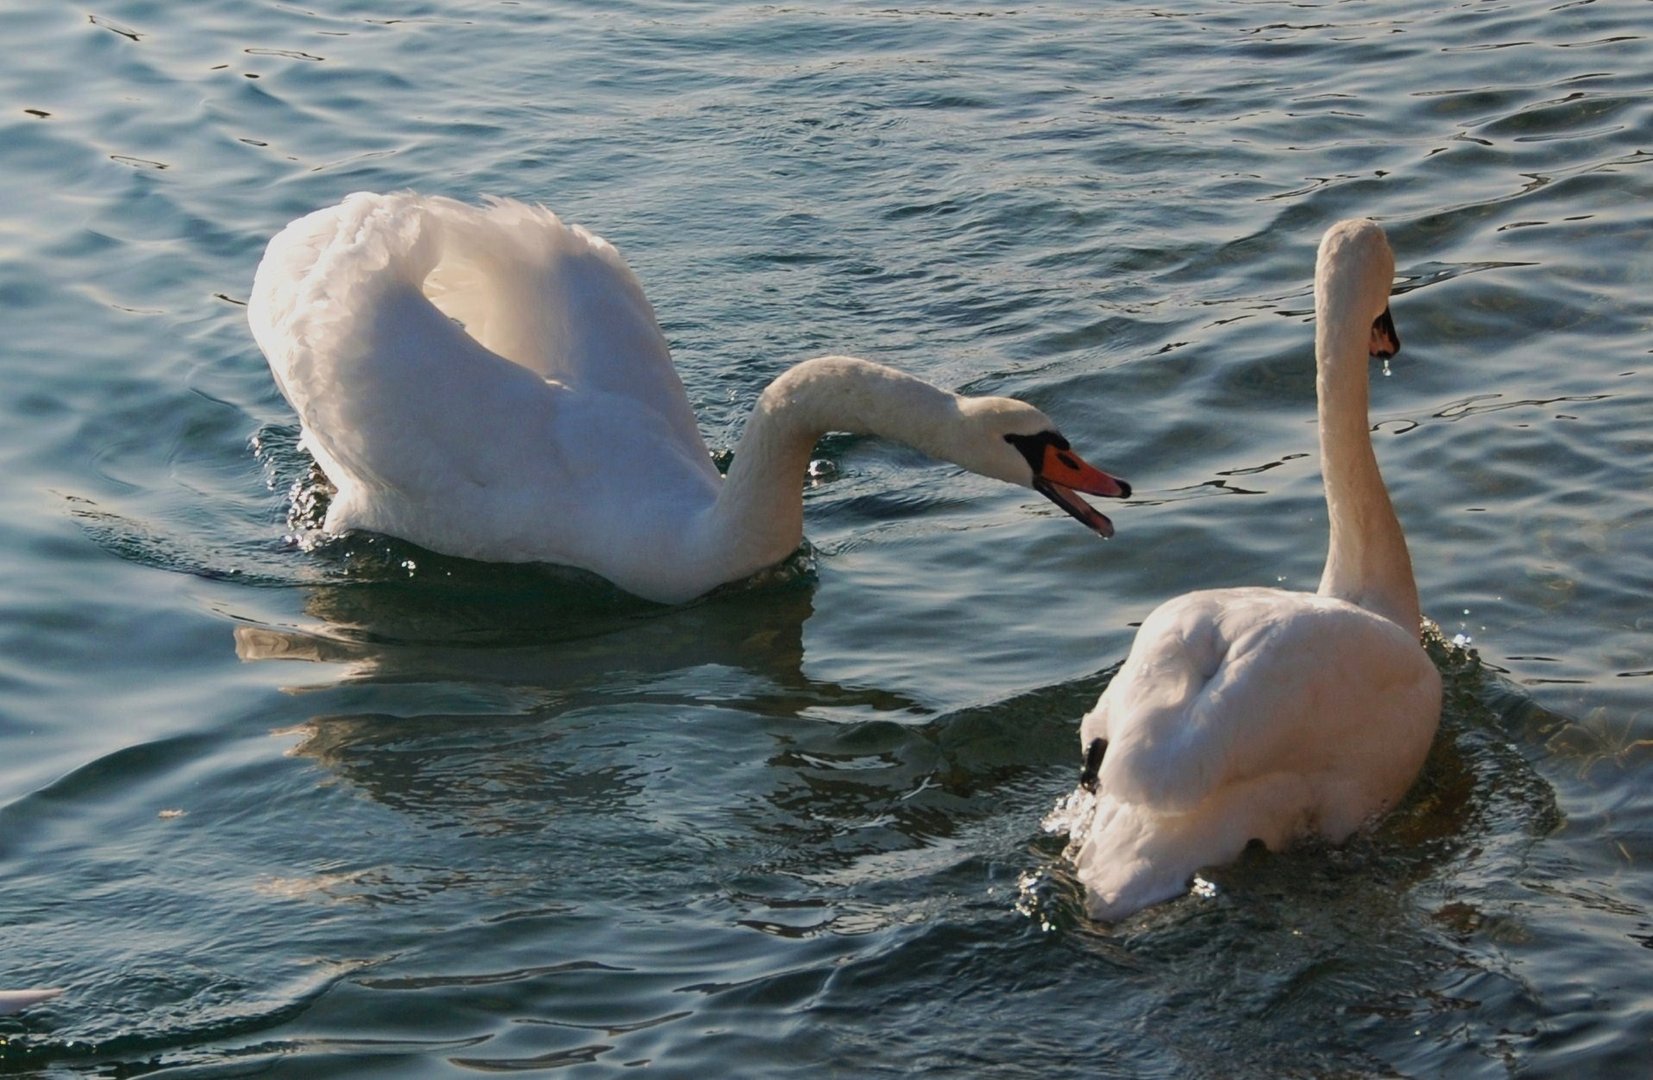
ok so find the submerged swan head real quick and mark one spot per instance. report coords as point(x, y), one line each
point(13, 1001)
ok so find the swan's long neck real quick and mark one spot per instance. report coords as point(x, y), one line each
point(1367, 562)
point(758, 517)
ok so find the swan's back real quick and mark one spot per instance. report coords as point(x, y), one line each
point(550, 297)
point(1228, 684)
point(1248, 714)
point(465, 376)
point(554, 298)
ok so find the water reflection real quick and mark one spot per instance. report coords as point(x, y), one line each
point(397, 614)
point(479, 698)
point(530, 634)
point(578, 733)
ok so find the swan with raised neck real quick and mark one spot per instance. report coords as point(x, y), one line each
point(1367, 562)
point(1259, 714)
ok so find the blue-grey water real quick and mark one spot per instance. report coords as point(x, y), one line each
point(364, 811)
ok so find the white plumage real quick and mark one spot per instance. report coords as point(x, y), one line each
point(489, 382)
point(1262, 714)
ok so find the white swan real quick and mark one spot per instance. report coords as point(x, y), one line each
point(12, 1001)
point(1262, 714)
point(491, 383)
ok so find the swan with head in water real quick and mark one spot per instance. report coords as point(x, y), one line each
point(1262, 714)
point(490, 382)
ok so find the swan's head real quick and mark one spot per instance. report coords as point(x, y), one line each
point(1014, 442)
point(1353, 273)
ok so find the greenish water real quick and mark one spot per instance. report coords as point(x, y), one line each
point(364, 811)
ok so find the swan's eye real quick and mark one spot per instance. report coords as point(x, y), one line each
point(1033, 447)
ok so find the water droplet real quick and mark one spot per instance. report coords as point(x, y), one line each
point(1386, 371)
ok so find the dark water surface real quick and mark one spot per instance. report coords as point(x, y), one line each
point(364, 811)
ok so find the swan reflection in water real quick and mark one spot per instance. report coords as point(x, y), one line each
point(532, 627)
point(538, 660)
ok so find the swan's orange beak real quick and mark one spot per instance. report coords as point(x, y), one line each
point(1064, 474)
point(1059, 475)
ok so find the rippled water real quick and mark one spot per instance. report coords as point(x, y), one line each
point(366, 811)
